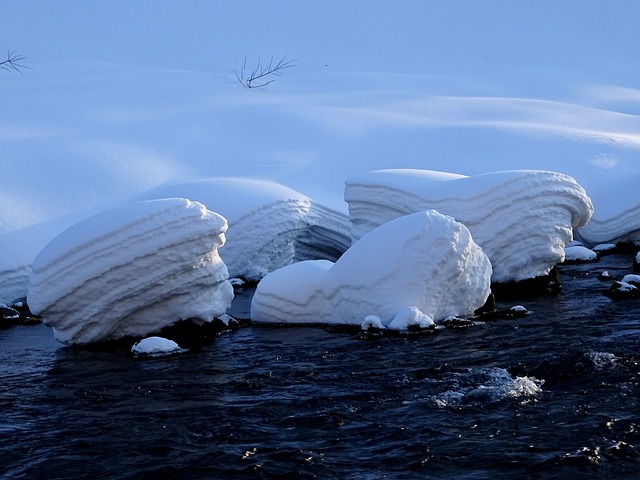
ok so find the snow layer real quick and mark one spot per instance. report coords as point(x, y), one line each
point(132, 270)
point(413, 269)
point(270, 225)
point(522, 219)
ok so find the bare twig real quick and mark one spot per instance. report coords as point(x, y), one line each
point(261, 75)
point(12, 63)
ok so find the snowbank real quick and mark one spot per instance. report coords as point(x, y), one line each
point(522, 219)
point(270, 225)
point(132, 270)
point(425, 260)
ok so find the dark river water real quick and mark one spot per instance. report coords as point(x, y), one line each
point(555, 394)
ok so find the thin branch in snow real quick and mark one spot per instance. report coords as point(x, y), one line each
point(261, 75)
point(12, 63)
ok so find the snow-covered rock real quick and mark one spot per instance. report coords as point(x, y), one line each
point(413, 270)
point(155, 347)
point(270, 225)
point(632, 279)
point(522, 219)
point(577, 253)
point(604, 248)
point(132, 270)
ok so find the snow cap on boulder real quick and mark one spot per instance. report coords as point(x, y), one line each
point(131, 271)
point(522, 219)
point(425, 263)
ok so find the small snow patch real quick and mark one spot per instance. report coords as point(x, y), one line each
point(156, 347)
point(632, 279)
point(411, 318)
point(579, 254)
point(372, 322)
point(604, 247)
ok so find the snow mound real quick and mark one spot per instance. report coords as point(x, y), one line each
point(578, 253)
point(155, 347)
point(132, 270)
point(409, 271)
point(270, 225)
point(522, 219)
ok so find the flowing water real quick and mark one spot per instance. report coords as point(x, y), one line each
point(555, 394)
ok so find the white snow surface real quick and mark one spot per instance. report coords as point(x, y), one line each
point(99, 118)
point(132, 270)
point(410, 271)
point(522, 219)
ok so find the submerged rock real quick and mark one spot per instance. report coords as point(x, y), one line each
point(131, 271)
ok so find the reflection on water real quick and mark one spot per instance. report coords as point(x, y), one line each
point(552, 394)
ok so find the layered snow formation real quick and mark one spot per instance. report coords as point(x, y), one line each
point(409, 271)
point(132, 270)
point(522, 219)
point(270, 225)
point(620, 227)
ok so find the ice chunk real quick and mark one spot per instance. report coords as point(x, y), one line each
point(132, 270)
point(522, 219)
point(270, 225)
point(414, 269)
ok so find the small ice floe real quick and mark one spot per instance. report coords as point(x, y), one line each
point(577, 254)
point(131, 271)
point(408, 272)
point(502, 210)
point(156, 347)
point(605, 275)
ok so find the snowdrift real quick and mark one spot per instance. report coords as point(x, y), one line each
point(522, 219)
point(416, 266)
point(132, 271)
point(270, 225)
